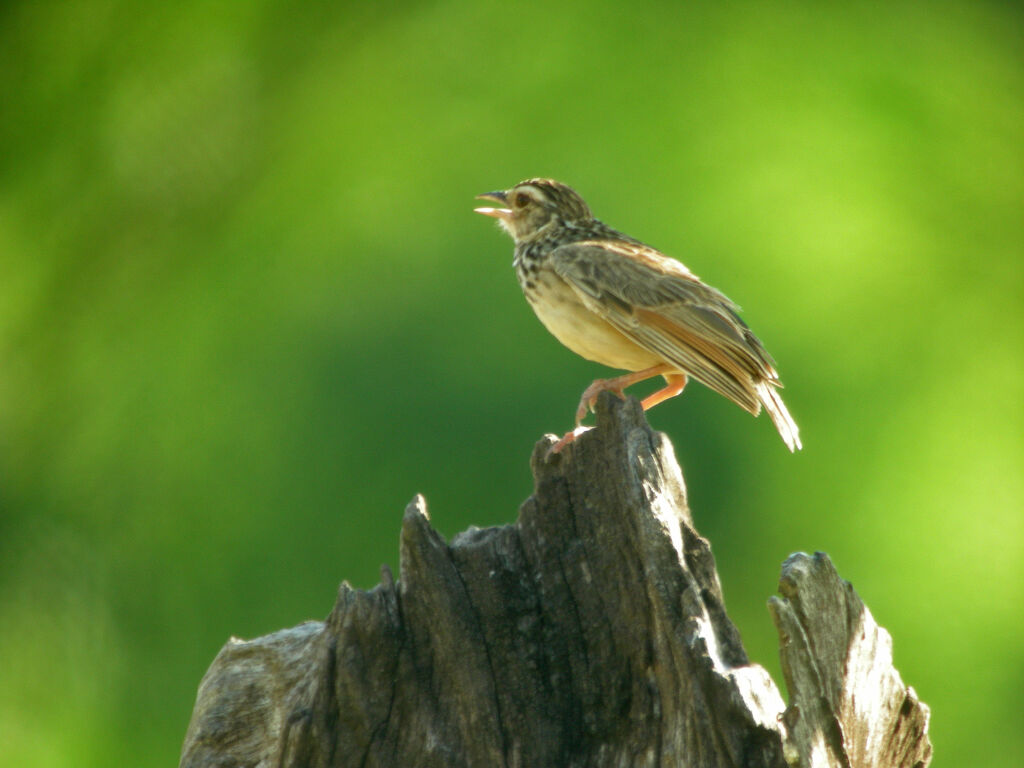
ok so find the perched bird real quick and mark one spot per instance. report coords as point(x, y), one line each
point(618, 302)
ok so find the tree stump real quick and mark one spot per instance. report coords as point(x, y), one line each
point(592, 632)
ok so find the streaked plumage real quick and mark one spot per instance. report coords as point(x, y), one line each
point(618, 302)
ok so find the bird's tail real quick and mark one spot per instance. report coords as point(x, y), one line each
point(783, 422)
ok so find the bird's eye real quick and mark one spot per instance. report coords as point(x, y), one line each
point(522, 200)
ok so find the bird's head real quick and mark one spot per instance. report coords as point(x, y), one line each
point(534, 205)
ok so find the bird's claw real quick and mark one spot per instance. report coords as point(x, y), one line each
point(588, 401)
point(567, 438)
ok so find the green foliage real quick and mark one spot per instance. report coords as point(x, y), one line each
point(246, 313)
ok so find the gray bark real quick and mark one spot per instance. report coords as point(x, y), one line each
point(592, 632)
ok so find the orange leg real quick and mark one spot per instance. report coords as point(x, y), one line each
point(675, 382)
point(619, 383)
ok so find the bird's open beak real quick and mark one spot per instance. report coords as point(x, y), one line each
point(503, 214)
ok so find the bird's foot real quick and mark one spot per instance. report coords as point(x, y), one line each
point(567, 438)
point(619, 384)
point(589, 397)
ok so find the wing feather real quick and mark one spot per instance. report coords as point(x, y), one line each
point(662, 306)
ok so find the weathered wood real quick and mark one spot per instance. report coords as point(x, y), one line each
point(590, 633)
point(848, 705)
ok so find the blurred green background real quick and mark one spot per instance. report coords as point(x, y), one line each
point(246, 313)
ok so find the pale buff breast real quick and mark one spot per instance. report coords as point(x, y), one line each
point(582, 331)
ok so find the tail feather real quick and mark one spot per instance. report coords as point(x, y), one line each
point(780, 417)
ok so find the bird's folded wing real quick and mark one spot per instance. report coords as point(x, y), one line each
point(657, 303)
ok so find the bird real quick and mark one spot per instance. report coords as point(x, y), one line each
point(616, 301)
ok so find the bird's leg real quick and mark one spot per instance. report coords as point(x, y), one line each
point(676, 382)
point(619, 383)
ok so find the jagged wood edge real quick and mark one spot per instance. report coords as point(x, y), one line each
point(325, 694)
point(848, 705)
